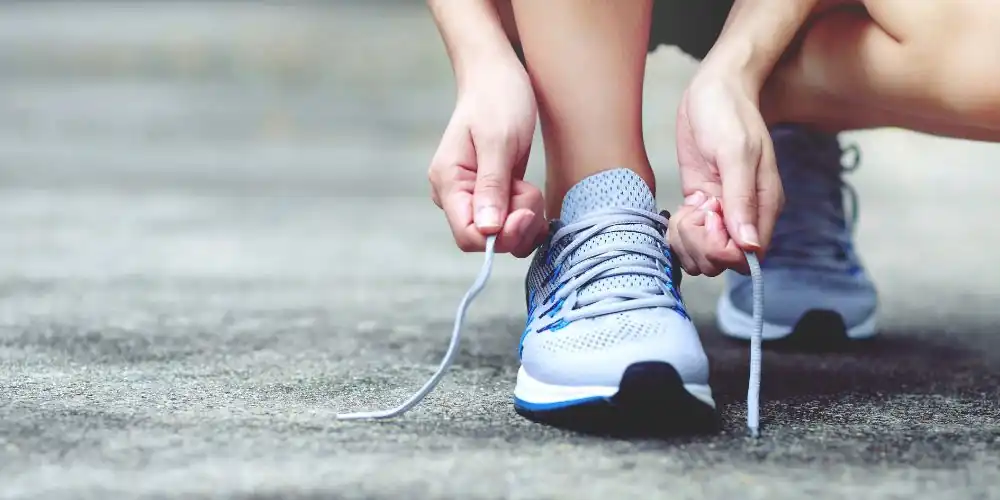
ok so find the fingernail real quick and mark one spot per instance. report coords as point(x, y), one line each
point(707, 205)
point(487, 217)
point(695, 199)
point(712, 221)
point(749, 235)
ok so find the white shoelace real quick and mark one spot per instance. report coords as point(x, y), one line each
point(583, 268)
point(449, 355)
point(756, 339)
point(753, 392)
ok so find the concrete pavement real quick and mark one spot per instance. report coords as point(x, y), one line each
point(216, 235)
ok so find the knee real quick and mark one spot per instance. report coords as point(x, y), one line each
point(955, 43)
point(969, 72)
point(971, 91)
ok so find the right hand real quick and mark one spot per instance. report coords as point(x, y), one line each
point(729, 175)
point(477, 172)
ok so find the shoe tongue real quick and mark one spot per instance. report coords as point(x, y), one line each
point(618, 188)
point(814, 221)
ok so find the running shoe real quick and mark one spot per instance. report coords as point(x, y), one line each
point(608, 345)
point(818, 293)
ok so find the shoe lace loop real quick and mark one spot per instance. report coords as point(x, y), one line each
point(574, 268)
point(814, 230)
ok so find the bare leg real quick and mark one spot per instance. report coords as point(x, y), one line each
point(587, 61)
point(926, 66)
point(506, 12)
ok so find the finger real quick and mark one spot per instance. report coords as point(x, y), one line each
point(721, 251)
point(695, 199)
point(495, 159)
point(529, 197)
point(696, 241)
point(719, 248)
point(452, 162)
point(518, 222)
point(458, 211)
point(676, 240)
point(526, 199)
point(770, 197)
point(432, 177)
point(738, 166)
point(521, 166)
point(695, 173)
point(687, 263)
point(703, 244)
point(531, 237)
point(707, 242)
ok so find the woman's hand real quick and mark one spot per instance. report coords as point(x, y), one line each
point(478, 169)
point(729, 176)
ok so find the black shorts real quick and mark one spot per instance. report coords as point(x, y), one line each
point(691, 25)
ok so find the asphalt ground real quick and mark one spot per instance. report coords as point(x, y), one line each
point(216, 234)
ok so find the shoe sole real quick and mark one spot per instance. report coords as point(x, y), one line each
point(651, 400)
point(817, 326)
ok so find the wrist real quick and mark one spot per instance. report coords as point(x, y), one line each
point(473, 36)
point(755, 37)
point(738, 63)
point(485, 65)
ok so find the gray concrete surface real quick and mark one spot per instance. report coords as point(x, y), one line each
point(215, 235)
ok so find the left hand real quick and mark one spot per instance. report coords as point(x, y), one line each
point(732, 190)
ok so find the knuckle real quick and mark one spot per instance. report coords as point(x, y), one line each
point(739, 146)
point(780, 198)
point(434, 172)
point(466, 245)
point(533, 194)
point(735, 147)
point(489, 181)
point(746, 198)
point(718, 256)
point(713, 272)
point(708, 267)
point(495, 137)
point(722, 252)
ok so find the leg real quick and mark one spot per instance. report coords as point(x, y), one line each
point(587, 61)
point(926, 66)
point(506, 13)
point(607, 341)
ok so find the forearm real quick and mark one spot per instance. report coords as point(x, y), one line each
point(756, 34)
point(473, 34)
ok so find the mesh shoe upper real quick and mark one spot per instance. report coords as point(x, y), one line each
point(601, 293)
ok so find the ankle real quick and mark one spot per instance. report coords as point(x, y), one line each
point(559, 180)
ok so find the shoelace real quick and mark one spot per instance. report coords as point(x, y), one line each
point(583, 268)
point(753, 392)
point(812, 230)
point(449, 355)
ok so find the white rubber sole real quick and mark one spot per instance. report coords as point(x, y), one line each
point(533, 394)
point(738, 324)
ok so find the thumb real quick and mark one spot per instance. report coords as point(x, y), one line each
point(491, 198)
point(739, 195)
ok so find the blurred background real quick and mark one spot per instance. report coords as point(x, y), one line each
point(215, 233)
point(130, 108)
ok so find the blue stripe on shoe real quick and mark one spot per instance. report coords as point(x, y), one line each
point(525, 405)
